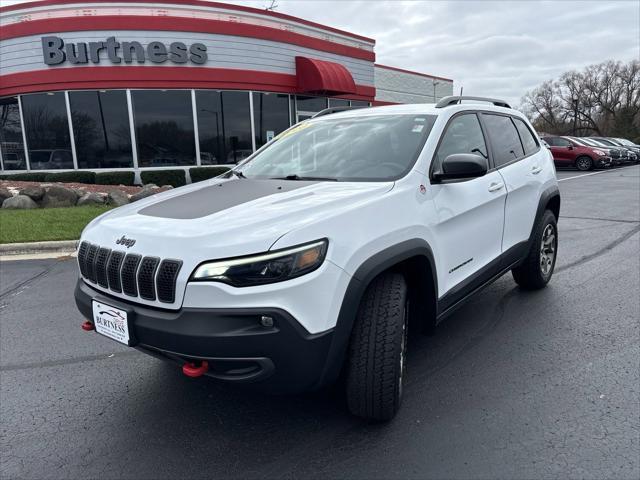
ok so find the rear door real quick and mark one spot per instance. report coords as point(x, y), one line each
point(563, 152)
point(470, 214)
point(523, 166)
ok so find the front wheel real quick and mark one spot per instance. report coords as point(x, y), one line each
point(584, 163)
point(536, 270)
point(377, 351)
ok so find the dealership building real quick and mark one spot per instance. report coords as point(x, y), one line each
point(182, 83)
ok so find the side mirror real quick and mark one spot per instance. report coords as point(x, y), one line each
point(570, 147)
point(462, 165)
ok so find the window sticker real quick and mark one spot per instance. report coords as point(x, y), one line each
point(296, 128)
point(419, 119)
point(417, 128)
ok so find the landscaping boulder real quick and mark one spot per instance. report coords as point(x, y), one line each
point(147, 191)
point(35, 192)
point(19, 202)
point(117, 198)
point(91, 199)
point(4, 194)
point(57, 196)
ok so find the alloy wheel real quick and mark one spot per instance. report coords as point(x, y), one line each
point(548, 250)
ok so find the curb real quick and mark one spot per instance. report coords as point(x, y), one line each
point(64, 246)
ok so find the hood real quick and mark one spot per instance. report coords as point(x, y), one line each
point(226, 217)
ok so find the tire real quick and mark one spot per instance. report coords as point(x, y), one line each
point(536, 270)
point(377, 350)
point(584, 163)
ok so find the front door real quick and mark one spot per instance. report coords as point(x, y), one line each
point(470, 216)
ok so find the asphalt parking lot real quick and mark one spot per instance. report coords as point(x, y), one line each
point(514, 385)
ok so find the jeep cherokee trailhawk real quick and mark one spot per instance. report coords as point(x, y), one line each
point(308, 261)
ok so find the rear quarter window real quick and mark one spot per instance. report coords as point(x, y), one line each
point(529, 142)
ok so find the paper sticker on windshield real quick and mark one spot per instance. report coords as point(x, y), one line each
point(417, 128)
point(296, 128)
point(419, 119)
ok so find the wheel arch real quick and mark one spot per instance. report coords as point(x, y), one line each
point(414, 258)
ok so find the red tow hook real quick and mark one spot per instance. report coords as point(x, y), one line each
point(192, 369)
point(88, 326)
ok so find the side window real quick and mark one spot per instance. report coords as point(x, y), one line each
point(528, 140)
point(551, 141)
point(505, 141)
point(562, 142)
point(463, 135)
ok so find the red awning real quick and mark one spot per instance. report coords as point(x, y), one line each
point(320, 76)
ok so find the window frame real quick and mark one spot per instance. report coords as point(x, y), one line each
point(487, 140)
point(518, 159)
point(490, 162)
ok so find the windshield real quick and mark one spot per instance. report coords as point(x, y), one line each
point(592, 143)
point(363, 148)
point(606, 142)
point(625, 142)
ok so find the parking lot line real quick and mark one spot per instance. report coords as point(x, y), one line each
point(593, 173)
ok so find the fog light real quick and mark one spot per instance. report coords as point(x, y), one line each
point(266, 321)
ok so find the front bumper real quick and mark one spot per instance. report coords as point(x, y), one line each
point(601, 162)
point(283, 358)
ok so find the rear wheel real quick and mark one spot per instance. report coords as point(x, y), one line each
point(584, 163)
point(377, 351)
point(537, 269)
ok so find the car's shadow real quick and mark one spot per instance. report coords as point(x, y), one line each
point(205, 414)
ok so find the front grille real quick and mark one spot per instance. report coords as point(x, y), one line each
point(113, 271)
point(131, 274)
point(101, 267)
point(90, 263)
point(128, 274)
point(146, 277)
point(166, 281)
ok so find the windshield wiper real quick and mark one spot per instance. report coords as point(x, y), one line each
point(298, 177)
point(237, 173)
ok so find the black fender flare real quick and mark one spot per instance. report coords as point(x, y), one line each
point(548, 195)
point(366, 272)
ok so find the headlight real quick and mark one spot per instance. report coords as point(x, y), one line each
point(269, 267)
point(599, 152)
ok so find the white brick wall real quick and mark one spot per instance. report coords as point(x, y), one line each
point(400, 87)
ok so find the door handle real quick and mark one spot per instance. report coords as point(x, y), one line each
point(536, 170)
point(494, 187)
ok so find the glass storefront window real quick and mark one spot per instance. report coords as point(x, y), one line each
point(163, 122)
point(224, 126)
point(306, 107)
point(47, 131)
point(11, 143)
point(270, 115)
point(338, 102)
point(101, 129)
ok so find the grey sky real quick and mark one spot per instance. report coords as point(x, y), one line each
point(499, 49)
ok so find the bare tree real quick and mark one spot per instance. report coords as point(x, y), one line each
point(602, 99)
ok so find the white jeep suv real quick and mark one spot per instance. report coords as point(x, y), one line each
point(309, 260)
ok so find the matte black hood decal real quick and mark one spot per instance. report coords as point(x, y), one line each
point(219, 196)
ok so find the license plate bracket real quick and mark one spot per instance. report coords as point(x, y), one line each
point(112, 322)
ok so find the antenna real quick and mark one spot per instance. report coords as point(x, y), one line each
point(272, 6)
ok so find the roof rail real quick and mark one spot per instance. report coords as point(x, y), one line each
point(329, 110)
point(454, 100)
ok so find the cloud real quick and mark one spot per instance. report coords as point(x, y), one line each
point(499, 49)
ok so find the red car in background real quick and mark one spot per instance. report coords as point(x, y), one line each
point(569, 153)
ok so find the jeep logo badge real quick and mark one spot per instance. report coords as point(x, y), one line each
point(127, 242)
